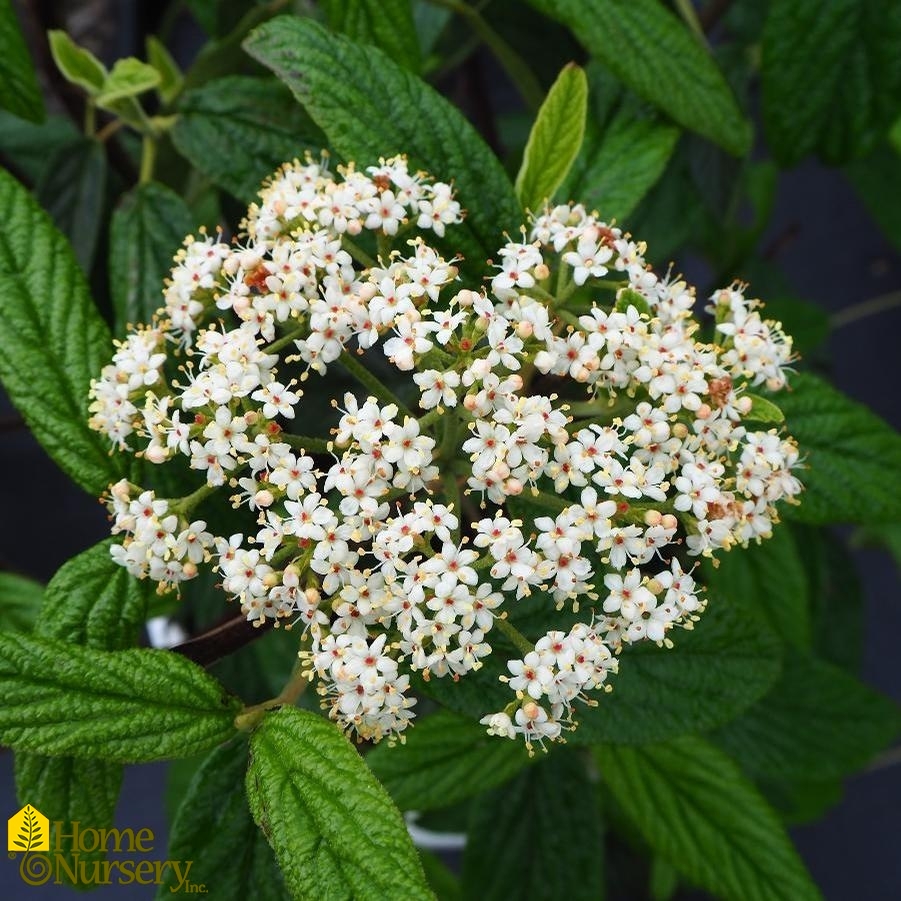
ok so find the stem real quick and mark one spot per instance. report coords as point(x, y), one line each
point(310, 445)
point(109, 130)
point(522, 643)
point(222, 640)
point(358, 253)
point(250, 716)
point(871, 307)
point(367, 379)
point(186, 504)
point(90, 117)
point(148, 158)
point(284, 341)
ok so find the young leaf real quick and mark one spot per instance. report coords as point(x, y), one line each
point(52, 339)
point(256, 118)
point(347, 89)
point(20, 601)
point(123, 706)
point(214, 828)
point(620, 162)
point(171, 79)
point(129, 78)
point(76, 64)
point(335, 832)
point(851, 454)
point(19, 91)
point(831, 76)
point(540, 837)
point(445, 759)
point(697, 811)
point(770, 580)
point(555, 139)
point(147, 229)
point(817, 723)
point(72, 190)
point(653, 53)
point(763, 410)
point(386, 24)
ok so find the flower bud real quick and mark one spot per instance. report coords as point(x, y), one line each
point(264, 498)
point(669, 521)
point(653, 517)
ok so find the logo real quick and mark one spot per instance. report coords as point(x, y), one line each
point(87, 857)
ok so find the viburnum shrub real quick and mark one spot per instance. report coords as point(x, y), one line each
point(598, 441)
point(453, 514)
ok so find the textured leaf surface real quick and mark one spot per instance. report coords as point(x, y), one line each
point(124, 706)
point(348, 89)
point(831, 76)
point(386, 24)
point(853, 456)
point(445, 759)
point(768, 578)
point(259, 122)
point(335, 832)
point(214, 829)
point(817, 722)
point(129, 78)
point(555, 139)
point(649, 49)
point(52, 339)
point(147, 229)
point(20, 601)
point(697, 811)
point(540, 837)
point(19, 92)
point(77, 64)
point(72, 189)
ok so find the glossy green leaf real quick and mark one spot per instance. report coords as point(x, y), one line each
point(769, 579)
point(72, 190)
point(386, 24)
point(817, 723)
point(651, 51)
point(147, 229)
point(555, 139)
point(851, 455)
point(831, 76)
point(52, 339)
point(76, 64)
point(347, 90)
point(123, 706)
point(214, 829)
point(256, 118)
point(445, 759)
point(335, 832)
point(540, 837)
point(19, 91)
point(697, 811)
point(20, 601)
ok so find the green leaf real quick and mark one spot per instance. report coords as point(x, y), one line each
point(540, 837)
point(20, 601)
point(256, 118)
point(851, 455)
point(445, 759)
point(831, 76)
point(123, 706)
point(555, 139)
point(129, 78)
point(876, 177)
point(441, 880)
point(77, 65)
point(335, 832)
point(171, 79)
point(72, 190)
point(697, 811)
point(763, 410)
point(386, 24)
point(649, 49)
point(817, 723)
point(347, 88)
point(19, 91)
point(27, 147)
point(147, 229)
point(214, 829)
point(52, 339)
point(620, 162)
point(769, 579)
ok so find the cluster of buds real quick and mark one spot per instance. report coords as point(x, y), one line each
point(575, 437)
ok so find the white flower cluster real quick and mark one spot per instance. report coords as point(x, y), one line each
point(576, 438)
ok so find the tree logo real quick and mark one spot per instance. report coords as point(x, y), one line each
point(28, 830)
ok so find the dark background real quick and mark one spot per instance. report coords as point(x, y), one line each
point(835, 256)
